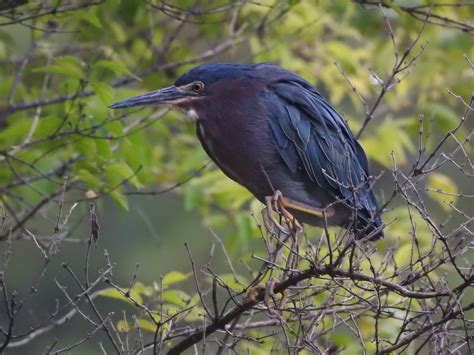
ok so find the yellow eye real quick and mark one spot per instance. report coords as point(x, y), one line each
point(197, 86)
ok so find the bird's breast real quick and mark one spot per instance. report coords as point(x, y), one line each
point(240, 153)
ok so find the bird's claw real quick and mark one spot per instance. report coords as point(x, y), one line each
point(254, 291)
point(291, 228)
point(277, 204)
point(267, 290)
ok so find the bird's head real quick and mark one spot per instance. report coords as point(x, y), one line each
point(200, 84)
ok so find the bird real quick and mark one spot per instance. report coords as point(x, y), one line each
point(274, 133)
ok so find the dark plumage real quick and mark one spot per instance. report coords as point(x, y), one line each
point(268, 129)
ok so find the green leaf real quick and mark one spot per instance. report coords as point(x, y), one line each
point(141, 289)
point(92, 181)
point(147, 325)
point(115, 67)
point(403, 255)
point(89, 17)
point(67, 70)
point(118, 173)
point(244, 227)
point(143, 324)
point(128, 9)
point(104, 91)
point(113, 293)
point(341, 339)
point(116, 294)
point(443, 116)
point(176, 297)
point(86, 146)
point(174, 277)
point(403, 221)
point(135, 293)
point(103, 148)
point(192, 196)
point(66, 65)
point(120, 198)
point(115, 128)
point(14, 131)
point(196, 314)
point(237, 282)
point(442, 189)
point(390, 137)
point(47, 126)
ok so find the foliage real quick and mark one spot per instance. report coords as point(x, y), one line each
point(399, 72)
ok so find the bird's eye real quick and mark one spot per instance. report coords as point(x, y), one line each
point(197, 86)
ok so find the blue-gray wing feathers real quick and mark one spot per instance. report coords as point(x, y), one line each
point(309, 133)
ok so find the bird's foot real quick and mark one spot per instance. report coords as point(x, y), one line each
point(277, 203)
point(266, 290)
point(290, 228)
point(254, 292)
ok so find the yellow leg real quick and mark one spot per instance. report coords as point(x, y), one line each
point(268, 219)
point(281, 205)
point(268, 293)
point(292, 228)
point(277, 203)
point(298, 206)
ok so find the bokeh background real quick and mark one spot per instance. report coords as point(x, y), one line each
point(62, 63)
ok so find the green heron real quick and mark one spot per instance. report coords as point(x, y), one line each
point(271, 131)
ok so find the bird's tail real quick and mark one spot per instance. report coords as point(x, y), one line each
point(368, 223)
point(368, 228)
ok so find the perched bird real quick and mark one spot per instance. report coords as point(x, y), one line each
point(271, 131)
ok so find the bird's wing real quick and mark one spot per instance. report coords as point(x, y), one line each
point(309, 134)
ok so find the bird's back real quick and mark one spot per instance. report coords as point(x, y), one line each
point(312, 137)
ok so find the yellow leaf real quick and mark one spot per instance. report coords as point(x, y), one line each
point(114, 293)
point(174, 277)
point(442, 189)
point(176, 297)
point(146, 325)
point(235, 282)
point(123, 326)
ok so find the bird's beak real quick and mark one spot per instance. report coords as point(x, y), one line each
point(164, 96)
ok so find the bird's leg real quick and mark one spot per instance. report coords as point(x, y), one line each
point(293, 255)
point(270, 222)
point(267, 290)
point(275, 229)
point(294, 229)
point(279, 204)
point(273, 226)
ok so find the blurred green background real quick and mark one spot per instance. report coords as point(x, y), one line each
point(60, 70)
